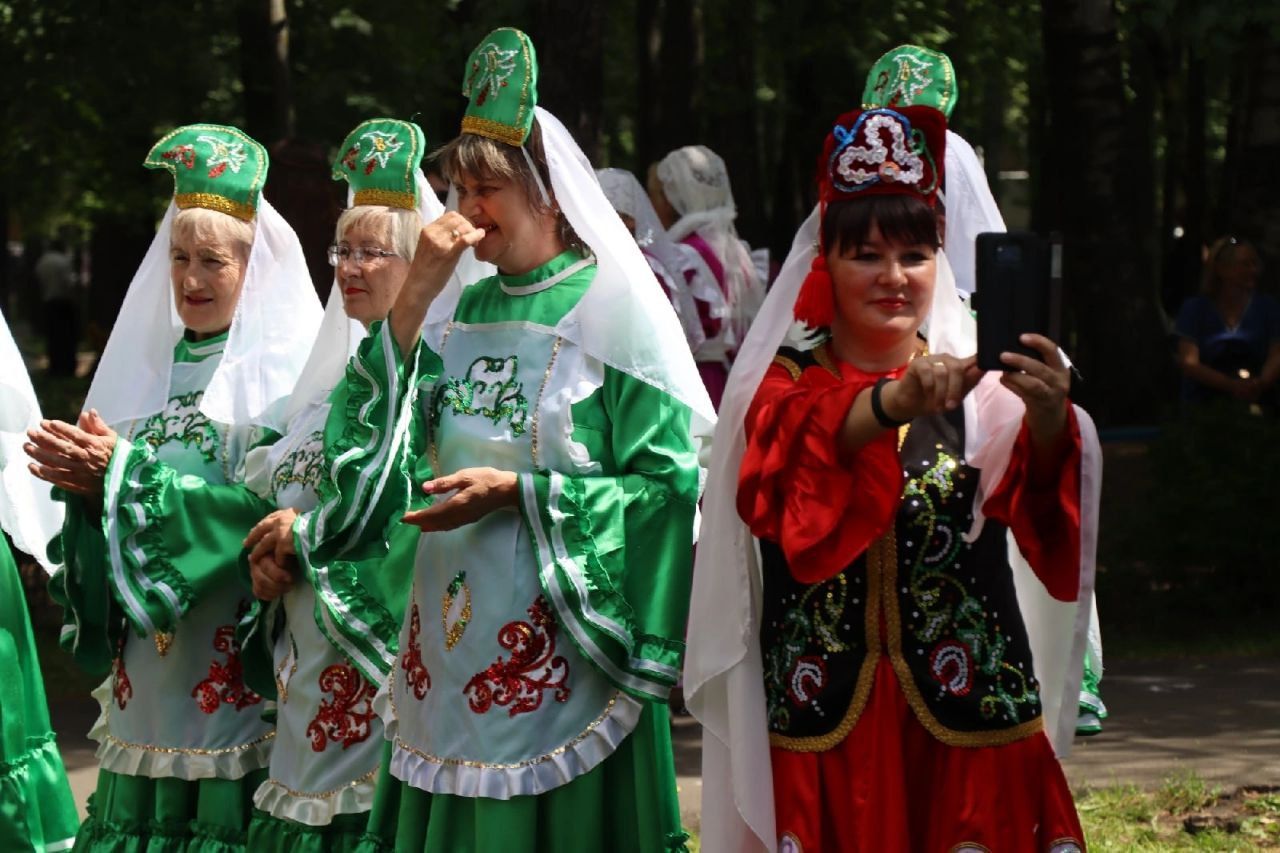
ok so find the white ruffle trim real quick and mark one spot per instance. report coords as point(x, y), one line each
point(279, 801)
point(463, 778)
point(161, 762)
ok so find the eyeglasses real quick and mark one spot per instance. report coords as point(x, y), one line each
point(357, 255)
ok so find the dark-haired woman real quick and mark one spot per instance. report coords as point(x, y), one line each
point(1229, 336)
point(888, 648)
point(549, 414)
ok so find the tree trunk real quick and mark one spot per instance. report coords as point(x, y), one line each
point(1116, 335)
point(1250, 205)
point(264, 70)
point(571, 80)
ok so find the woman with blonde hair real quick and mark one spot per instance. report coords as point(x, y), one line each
point(210, 341)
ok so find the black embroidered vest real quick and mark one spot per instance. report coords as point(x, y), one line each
point(944, 611)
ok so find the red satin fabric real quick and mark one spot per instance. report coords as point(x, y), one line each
point(1042, 508)
point(795, 490)
point(890, 786)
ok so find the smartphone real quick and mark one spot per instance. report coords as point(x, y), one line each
point(1019, 285)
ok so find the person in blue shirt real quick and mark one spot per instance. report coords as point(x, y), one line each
point(1228, 338)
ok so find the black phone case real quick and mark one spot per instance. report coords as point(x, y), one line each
point(1016, 294)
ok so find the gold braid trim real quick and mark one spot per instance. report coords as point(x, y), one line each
point(189, 750)
point(823, 356)
point(861, 691)
point(324, 795)
point(212, 201)
point(887, 555)
point(789, 365)
point(386, 198)
point(494, 130)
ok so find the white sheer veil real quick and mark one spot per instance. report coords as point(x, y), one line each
point(275, 323)
point(27, 511)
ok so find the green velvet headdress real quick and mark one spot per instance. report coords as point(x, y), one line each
point(501, 84)
point(213, 166)
point(380, 160)
point(911, 76)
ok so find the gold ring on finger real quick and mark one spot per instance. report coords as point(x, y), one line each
point(454, 233)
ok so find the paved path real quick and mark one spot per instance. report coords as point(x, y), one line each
point(1219, 718)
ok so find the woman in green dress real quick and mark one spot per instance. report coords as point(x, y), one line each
point(550, 413)
point(210, 339)
point(37, 811)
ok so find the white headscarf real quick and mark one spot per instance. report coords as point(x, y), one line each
point(621, 320)
point(664, 255)
point(274, 325)
point(27, 511)
point(696, 182)
point(723, 676)
point(970, 209)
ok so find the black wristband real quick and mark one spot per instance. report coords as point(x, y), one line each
point(877, 408)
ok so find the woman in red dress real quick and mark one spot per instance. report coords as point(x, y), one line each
point(878, 635)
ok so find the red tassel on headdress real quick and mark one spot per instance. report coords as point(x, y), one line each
point(816, 304)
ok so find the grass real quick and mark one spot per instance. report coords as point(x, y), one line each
point(1183, 814)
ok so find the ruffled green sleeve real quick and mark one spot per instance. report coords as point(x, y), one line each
point(91, 622)
point(615, 551)
point(170, 537)
point(373, 456)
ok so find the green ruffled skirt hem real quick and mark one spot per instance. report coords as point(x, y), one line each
point(345, 834)
point(37, 809)
point(627, 804)
point(138, 814)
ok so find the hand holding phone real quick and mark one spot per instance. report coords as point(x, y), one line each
point(1018, 292)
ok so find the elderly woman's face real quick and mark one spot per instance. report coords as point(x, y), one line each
point(208, 273)
point(369, 289)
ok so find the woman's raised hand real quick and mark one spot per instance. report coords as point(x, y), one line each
point(74, 458)
point(440, 244)
point(1042, 385)
point(931, 384)
point(477, 492)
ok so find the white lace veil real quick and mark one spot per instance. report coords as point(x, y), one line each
point(664, 255)
point(274, 325)
point(970, 209)
point(27, 511)
point(696, 182)
point(621, 320)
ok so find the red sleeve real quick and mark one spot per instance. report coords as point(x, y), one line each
point(794, 489)
point(1042, 508)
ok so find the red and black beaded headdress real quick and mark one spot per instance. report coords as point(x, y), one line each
point(878, 151)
